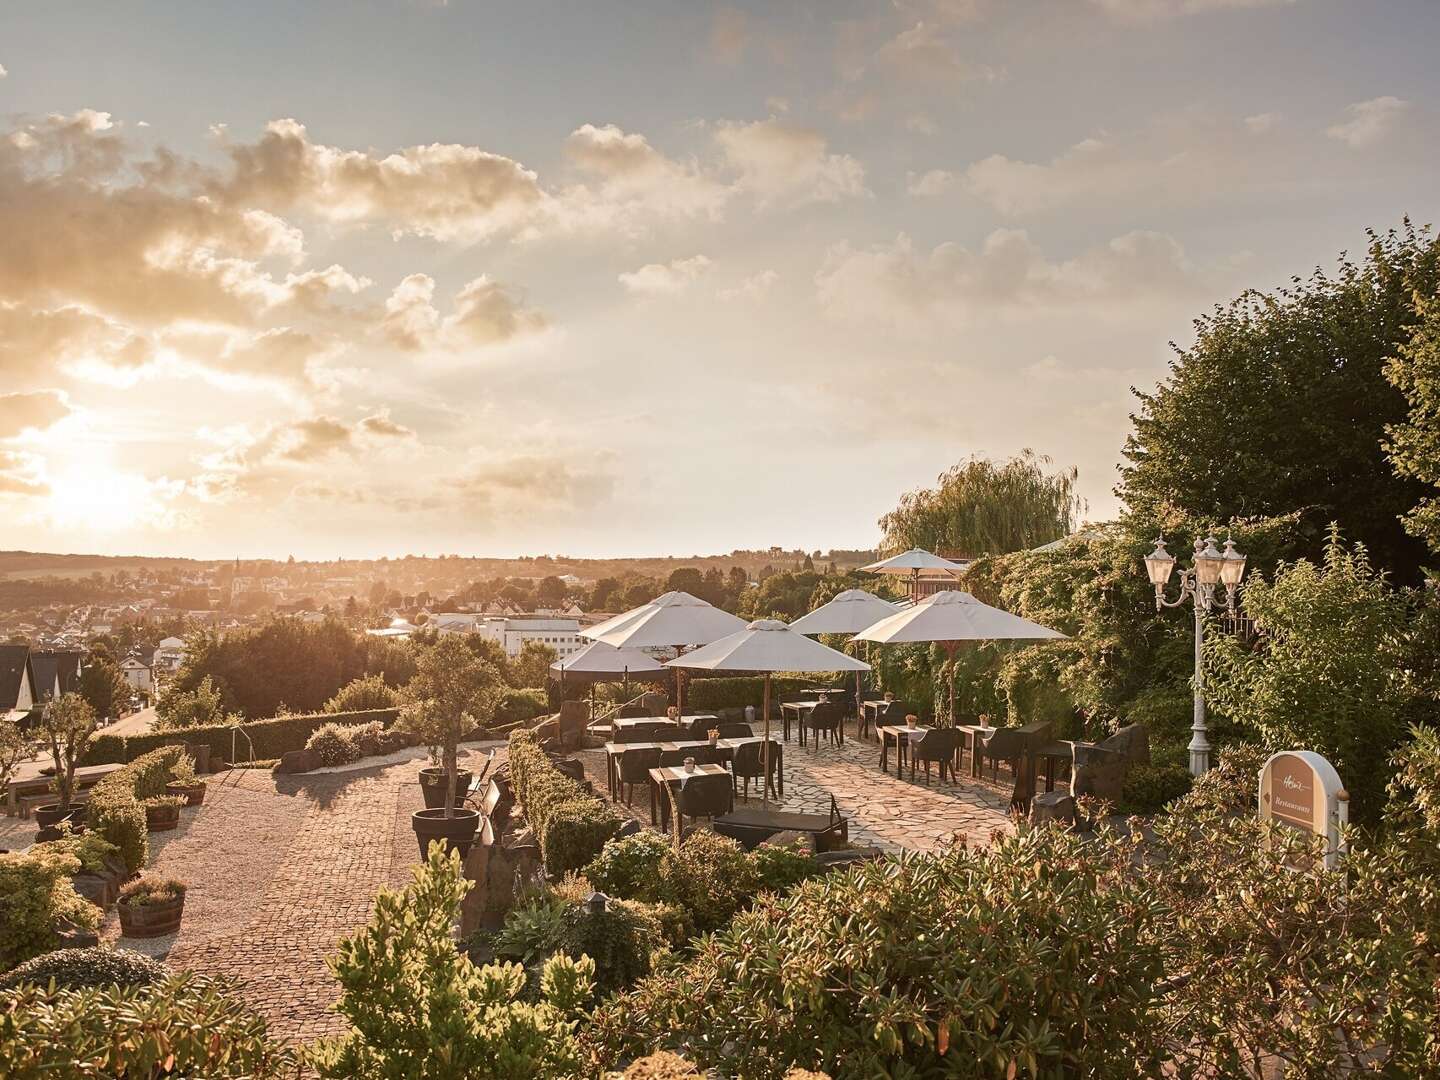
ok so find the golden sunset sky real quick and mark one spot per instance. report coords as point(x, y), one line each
point(363, 278)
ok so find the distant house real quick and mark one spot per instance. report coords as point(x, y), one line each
point(168, 657)
point(454, 622)
point(17, 682)
point(137, 673)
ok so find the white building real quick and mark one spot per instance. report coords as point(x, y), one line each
point(454, 622)
point(168, 657)
point(560, 633)
point(137, 674)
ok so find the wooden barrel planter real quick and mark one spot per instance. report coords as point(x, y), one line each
point(151, 920)
point(193, 794)
point(161, 818)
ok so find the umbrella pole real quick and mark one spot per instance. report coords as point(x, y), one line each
point(765, 749)
point(950, 648)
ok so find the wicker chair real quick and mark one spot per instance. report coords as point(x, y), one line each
point(937, 745)
point(828, 716)
point(703, 755)
point(626, 712)
point(748, 763)
point(700, 796)
point(634, 768)
point(735, 730)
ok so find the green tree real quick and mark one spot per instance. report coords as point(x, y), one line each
point(178, 709)
point(1414, 444)
point(983, 508)
point(551, 592)
point(66, 725)
point(453, 691)
point(531, 667)
point(366, 692)
point(16, 745)
point(419, 1008)
point(1283, 405)
point(104, 686)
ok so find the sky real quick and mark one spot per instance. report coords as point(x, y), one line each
point(349, 279)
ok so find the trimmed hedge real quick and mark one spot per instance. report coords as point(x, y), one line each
point(737, 692)
point(117, 803)
point(571, 824)
point(272, 738)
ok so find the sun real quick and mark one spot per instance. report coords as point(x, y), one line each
point(97, 497)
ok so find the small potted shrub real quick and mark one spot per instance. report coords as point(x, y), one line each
point(184, 782)
point(66, 726)
point(162, 812)
point(453, 691)
point(151, 907)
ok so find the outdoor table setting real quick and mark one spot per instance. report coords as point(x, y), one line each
point(613, 750)
point(974, 741)
point(628, 723)
point(668, 775)
point(901, 733)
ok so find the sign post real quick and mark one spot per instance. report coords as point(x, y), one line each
point(1300, 790)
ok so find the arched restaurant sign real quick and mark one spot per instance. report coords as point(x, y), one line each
point(1299, 789)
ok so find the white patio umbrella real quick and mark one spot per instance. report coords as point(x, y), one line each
point(767, 646)
point(949, 618)
point(598, 662)
point(848, 613)
point(675, 620)
point(910, 563)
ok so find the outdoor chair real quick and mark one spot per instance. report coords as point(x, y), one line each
point(627, 712)
point(656, 732)
point(937, 745)
point(735, 730)
point(891, 715)
point(748, 763)
point(1002, 744)
point(826, 717)
point(703, 755)
point(699, 796)
point(634, 768)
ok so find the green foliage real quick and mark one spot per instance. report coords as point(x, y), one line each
point(1414, 791)
point(77, 969)
point(1306, 407)
point(532, 666)
point(518, 706)
point(1414, 445)
point(36, 896)
point(104, 686)
point(1150, 787)
point(780, 867)
point(629, 866)
point(451, 693)
point(980, 507)
point(66, 725)
point(363, 694)
point(1332, 675)
point(710, 877)
point(1038, 955)
point(270, 738)
point(150, 891)
point(116, 807)
point(16, 745)
point(180, 1027)
point(571, 824)
point(199, 706)
point(91, 849)
point(735, 692)
point(420, 1009)
point(333, 744)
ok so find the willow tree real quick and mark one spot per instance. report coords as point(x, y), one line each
point(982, 507)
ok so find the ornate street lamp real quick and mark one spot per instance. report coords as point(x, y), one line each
point(1213, 568)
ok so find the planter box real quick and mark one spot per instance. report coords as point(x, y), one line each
point(194, 793)
point(151, 920)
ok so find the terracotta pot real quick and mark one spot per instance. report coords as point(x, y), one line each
point(194, 793)
point(432, 786)
point(151, 920)
point(161, 818)
point(458, 831)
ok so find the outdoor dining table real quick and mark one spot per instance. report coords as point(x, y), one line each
point(901, 733)
point(821, 691)
point(669, 775)
point(629, 722)
point(613, 750)
point(801, 710)
point(974, 736)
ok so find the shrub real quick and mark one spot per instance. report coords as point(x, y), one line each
point(75, 969)
point(334, 744)
point(90, 849)
point(1039, 953)
point(364, 694)
point(629, 866)
point(116, 808)
point(270, 738)
point(180, 1027)
point(452, 692)
point(736, 692)
point(418, 1008)
point(571, 824)
point(780, 867)
point(66, 728)
point(710, 877)
point(1150, 787)
point(518, 706)
point(151, 890)
point(36, 897)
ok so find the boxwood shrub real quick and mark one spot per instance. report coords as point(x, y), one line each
point(117, 803)
point(74, 969)
point(517, 706)
point(271, 738)
point(571, 824)
point(36, 895)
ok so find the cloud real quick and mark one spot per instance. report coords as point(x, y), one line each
point(31, 411)
point(20, 473)
point(1141, 10)
point(381, 424)
point(634, 182)
point(484, 313)
point(783, 164)
point(924, 52)
point(531, 481)
point(445, 191)
point(931, 182)
point(3, 72)
point(729, 33)
point(1368, 122)
point(899, 284)
point(1262, 122)
point(665, 279)
point(752, 287)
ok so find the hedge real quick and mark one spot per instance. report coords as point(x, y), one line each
point(572, 825)
point(271, 738)
point(737, 692)
point(116, 807)
point(517, 706)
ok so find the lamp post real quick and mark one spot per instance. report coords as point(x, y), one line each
point(1198, 584)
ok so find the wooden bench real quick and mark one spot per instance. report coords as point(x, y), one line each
point(24, 795)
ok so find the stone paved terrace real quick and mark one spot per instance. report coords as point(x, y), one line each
point(281, 868)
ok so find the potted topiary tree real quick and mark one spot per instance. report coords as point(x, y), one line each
point(452, 692)
point(66, 725)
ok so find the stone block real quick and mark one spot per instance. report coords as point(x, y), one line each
point(1053, 806)
point(294, 761)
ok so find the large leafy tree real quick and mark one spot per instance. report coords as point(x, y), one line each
point(1282, 404)
point(104, 686)
point(984, 507)
point(453, 692)
point(1415, 443)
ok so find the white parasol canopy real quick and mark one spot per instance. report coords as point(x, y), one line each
point(848, 613)
point(598, 658)
point(912, 561)
point(767, 645)
point(949, 618)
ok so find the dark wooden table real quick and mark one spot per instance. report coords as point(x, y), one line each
point(901, 733)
